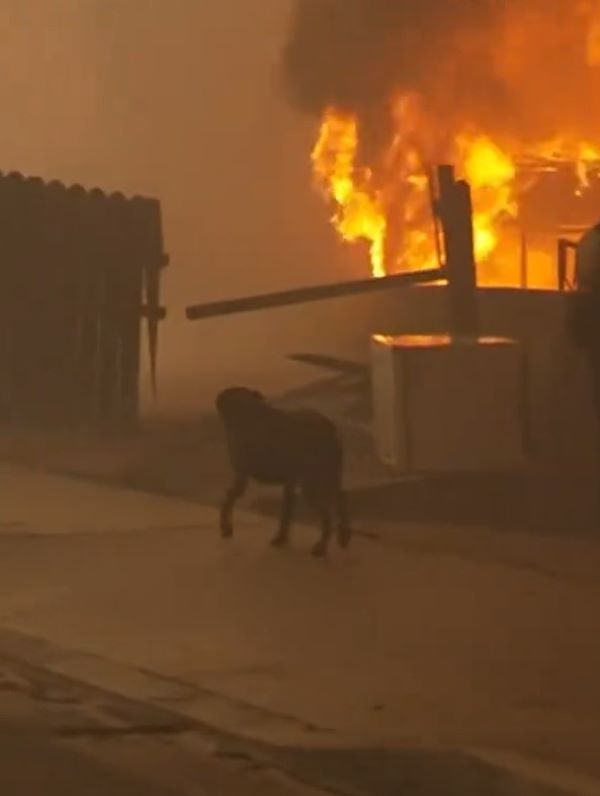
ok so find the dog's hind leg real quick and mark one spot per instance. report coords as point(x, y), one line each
point(287, 514)
point(320, 549)
point(319, 498)
point(344, 530)
point(233, 494)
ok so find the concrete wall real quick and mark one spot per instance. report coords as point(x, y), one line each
point(562, 424)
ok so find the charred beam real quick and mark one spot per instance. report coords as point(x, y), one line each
point(309, 294)
point(455, 209)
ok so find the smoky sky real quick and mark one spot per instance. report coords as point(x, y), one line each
point(179, 100)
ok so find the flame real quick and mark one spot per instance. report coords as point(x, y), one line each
point(491, 174)
point(363, 209)
point(389, 205)
point(358, 214)
point(531, 172)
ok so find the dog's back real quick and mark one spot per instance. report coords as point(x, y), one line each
point(274, 445)
point(316, 444)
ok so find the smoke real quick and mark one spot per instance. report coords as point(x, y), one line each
point(174, 100)
point(48, 87)
point(517, 66)
point(355, 53)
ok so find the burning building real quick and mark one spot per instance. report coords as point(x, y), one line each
point(505, 92)
point(503, 89)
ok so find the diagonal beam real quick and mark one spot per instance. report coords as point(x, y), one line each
point(310, 294)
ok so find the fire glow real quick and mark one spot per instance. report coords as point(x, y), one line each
point(367, 206)
point(382, 196)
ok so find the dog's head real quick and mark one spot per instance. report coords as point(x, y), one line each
point(238, 404)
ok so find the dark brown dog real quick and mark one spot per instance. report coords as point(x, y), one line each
point(294, 449)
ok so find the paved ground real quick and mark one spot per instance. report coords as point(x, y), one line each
point(420, 638)
point(62, 737)
point(31, 764)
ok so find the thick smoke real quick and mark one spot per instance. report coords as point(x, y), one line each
point(516, 66)
point(355, 53)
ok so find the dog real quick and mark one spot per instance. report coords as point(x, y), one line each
point(294, 449)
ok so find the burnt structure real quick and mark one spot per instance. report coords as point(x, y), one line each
point(79, 271)
point(559, 202)
point(452, 216)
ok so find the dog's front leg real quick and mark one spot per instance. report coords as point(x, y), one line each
point(233, 494)
point(287, 514)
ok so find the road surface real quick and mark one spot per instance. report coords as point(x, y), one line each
point(419, 646)
point(61, 739)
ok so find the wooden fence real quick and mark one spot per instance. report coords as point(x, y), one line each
point(78, 272)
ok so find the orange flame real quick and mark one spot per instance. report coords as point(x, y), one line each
point(358, 214)
point(388, 205)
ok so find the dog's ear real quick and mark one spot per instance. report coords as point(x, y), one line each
point(238, 399)
point(221, 400)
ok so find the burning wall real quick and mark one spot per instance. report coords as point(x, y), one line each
point(504, 89)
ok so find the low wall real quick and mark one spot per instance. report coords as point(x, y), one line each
point(199, 358)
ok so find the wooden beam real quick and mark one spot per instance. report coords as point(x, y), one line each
point(310, 294)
